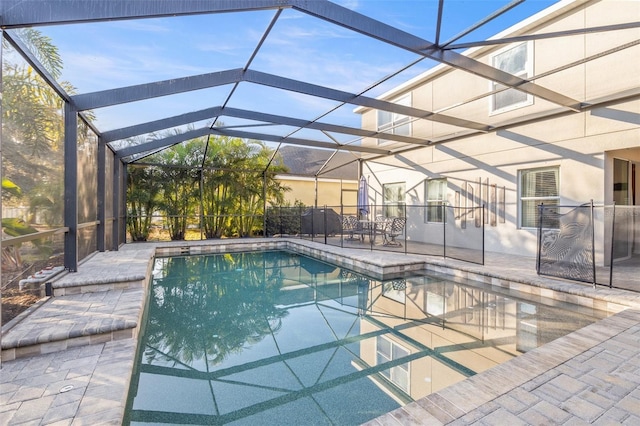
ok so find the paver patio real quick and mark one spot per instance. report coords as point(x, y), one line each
point(75, 353)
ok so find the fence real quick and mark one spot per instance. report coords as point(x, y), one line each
point(439, 230)
point(588, 243)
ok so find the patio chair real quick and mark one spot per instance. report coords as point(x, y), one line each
point(349, 226)
point(392, 229)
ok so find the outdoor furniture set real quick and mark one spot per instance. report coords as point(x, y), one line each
point(388, 227)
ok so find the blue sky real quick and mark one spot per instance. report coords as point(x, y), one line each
point(108, 55)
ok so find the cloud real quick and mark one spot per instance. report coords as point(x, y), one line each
point(91, 71)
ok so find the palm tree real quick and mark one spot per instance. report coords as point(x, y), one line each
point(143, 190)
point(236, 186)
point(179, 175)
point(209, 307)
point(33, 126)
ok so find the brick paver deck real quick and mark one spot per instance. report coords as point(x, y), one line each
point(69, 361)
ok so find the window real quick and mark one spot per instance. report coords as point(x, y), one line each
point(435, 195)
point(538, 186)
point(397, 124)
point(387, 351)
point(393, 199)
point(517, 61)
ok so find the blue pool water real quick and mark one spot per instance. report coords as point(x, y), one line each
point(275, 338)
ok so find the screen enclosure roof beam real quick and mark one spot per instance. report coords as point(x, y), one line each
point(162, 143)
point(298, 141)
point(20, 13)
point(140, 92)
point(362, 24)
point(29, 13)
point(316, 125)
point(210, 113)
point(161, 124)
point(544, 36)
point(284, 83)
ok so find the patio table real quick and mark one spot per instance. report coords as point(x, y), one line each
point(371, 228)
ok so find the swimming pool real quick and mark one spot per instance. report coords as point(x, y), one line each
point(279, 338)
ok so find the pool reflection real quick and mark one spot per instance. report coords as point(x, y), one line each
point(279, 338)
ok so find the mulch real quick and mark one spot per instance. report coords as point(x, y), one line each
point(14, 300)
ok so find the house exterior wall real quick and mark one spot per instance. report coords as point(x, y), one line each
point(331, 192)
point(581, 144)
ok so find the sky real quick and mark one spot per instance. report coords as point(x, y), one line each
point(108, 55)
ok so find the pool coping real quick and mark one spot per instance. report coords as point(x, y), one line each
point(104, 272)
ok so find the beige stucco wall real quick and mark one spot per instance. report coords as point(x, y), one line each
point(577, 143)
point(476, 338)
point(330, 192)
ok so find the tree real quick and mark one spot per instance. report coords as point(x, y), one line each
point(233, 198)
point(178, 176)
point(143, 190)
point(208, 308)
point(227, 191)
point(33, 126)
point(16, 227)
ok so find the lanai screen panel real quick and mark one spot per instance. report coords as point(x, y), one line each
point(87, 191)
point(32, 168)
point(32, 146)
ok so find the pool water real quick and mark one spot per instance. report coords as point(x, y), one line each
point(281, 339)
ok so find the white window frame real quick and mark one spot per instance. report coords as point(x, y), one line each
point(524, 73)
point(440, 199)
point(392, 374)
point(539, 199)
point(398, 122)
point(388, 206)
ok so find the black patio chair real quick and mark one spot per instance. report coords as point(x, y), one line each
point(349, 226)
point(393, 228)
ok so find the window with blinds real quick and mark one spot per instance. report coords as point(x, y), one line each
point(393, 199)
point(538, 186)
point(436, 193)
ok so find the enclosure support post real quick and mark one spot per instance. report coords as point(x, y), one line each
point(404, 214)
point(613, 227)
point(201, 190)
point(264, 204)
point(483, 233)
point(315, 202)
point(102, 159)
point(593, 247)
point(444, 230)
point(117, 195)
point(540, 212)
point(324, 221)
point(71, 187)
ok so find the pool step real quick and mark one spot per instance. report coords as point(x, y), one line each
point(98, 284)
point(102, 302)
point(60, 323)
